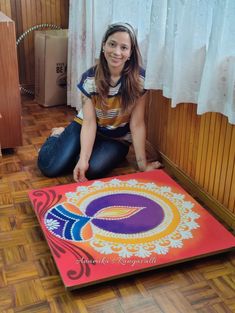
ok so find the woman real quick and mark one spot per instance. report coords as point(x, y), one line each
point(112, 115)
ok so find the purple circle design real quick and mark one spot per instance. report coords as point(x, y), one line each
point(144, 220)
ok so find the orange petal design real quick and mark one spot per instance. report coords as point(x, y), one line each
point(86, 232)
point(117, 212)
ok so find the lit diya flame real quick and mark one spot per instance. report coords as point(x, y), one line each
point(117, 212)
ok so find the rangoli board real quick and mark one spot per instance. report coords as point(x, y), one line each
point(114, 227)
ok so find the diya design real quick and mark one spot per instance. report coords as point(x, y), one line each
point(129, 218)
point(113, 227)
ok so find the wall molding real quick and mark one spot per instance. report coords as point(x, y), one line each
point(215, 207)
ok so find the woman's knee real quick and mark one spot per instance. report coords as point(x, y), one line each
point(47, 168)
point(105, 159)
point(54, 169)
point(97, 171)
point(56, 165)
point(58, 155)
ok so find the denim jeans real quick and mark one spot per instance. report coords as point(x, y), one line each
point(59, 155)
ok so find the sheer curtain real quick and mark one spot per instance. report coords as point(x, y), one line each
point(188, 47)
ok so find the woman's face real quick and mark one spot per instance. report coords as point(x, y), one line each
point(117, 50)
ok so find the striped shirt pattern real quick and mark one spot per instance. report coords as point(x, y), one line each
point(111, 120)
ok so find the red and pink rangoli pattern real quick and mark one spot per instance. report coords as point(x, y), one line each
point(112, 227)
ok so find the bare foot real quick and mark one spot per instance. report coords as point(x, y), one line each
point(57, 131)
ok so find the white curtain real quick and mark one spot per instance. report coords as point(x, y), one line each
point(188, 47)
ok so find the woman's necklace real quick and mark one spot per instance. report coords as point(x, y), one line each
point(114, 80)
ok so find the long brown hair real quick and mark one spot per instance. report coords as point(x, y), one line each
point(131, 88)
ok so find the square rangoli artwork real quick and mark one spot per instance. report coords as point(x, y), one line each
point(114, 227)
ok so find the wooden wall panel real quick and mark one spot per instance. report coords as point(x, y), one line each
point(26, 14)
point(201, 146)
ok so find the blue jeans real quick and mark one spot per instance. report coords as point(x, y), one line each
point(59, 155)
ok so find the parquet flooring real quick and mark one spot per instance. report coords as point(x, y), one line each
point(29, 280)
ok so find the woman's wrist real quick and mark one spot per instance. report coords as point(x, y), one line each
point(84, 157)
point(141, 164)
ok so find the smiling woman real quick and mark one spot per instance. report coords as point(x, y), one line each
point(117, 50)
point(112, 116)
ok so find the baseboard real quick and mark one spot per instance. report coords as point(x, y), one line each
point(219, 210)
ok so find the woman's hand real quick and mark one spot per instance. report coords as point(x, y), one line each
point(79, 172)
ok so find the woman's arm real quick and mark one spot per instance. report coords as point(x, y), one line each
point(138, 132)
point(87, 138)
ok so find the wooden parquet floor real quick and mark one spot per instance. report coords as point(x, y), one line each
point(29, 280)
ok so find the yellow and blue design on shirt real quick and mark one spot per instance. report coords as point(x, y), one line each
point(111, 119)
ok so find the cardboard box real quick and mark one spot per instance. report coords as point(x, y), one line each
point(51, 67)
